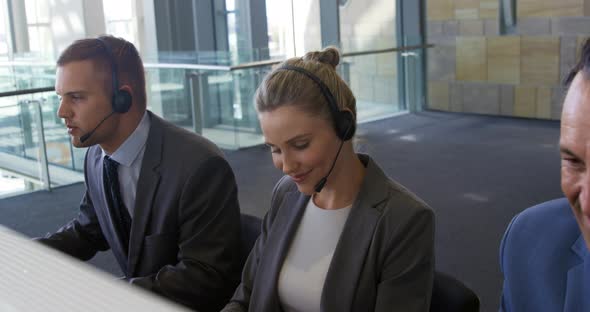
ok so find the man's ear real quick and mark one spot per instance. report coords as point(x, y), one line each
point(127, 88)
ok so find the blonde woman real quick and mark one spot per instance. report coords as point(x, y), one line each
point(340, 235)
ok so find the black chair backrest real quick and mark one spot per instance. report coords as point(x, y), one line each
point(251, 227)
point(451, 295)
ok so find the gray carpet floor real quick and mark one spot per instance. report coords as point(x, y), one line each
point(476, 172)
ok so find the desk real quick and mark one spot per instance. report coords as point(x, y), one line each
point(35, 278)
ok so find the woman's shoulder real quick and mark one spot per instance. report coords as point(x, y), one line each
point(393, 196)
point(400, 196)
point(404, 214)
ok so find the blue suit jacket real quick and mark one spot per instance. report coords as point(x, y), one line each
point(545, 261)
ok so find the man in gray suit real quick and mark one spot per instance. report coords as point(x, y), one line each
point(163, 199)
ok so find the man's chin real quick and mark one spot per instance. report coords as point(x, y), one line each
point(77, 143)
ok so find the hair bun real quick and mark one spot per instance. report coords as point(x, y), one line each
point(329, 55)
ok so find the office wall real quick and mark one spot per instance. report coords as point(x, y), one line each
point(370, 25)
point(474, 69)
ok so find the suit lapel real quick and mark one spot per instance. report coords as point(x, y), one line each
point(279, 239)
point(147, 185)
point(578, 280)
point(349, 257)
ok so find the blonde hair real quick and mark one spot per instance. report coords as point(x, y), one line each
point(288, 87)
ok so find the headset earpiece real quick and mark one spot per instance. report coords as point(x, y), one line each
point(344, 122)
point(345, 126)
point(121, 101)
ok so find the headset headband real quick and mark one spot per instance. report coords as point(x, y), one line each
point(107, 48)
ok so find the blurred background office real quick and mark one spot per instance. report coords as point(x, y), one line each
point(459, 99)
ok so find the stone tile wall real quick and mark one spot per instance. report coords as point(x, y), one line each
point(474, 69)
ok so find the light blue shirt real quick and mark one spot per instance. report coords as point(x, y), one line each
point(130, 156)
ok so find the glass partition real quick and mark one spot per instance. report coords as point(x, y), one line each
point(374, 82)
point(23, 75)
point(35, 150)
point(214, 101)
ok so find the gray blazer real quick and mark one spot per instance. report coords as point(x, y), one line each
point(384, 260)
point(184, 241)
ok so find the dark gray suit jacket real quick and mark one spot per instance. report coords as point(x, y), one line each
point(184, 241)
point(384, 260)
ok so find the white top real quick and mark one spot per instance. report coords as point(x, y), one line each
point(130, 156)
point(304, 271)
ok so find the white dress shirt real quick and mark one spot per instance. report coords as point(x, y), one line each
point(130, 156)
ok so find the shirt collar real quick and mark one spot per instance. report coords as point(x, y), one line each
point(579, 247)
point(129, 150)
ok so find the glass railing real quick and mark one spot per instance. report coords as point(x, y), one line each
point(215, 101)
point(23, 74)
point(373, 79)
point(34, 148)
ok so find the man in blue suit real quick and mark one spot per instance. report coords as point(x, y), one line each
point(544, 254)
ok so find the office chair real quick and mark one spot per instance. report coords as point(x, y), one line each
point(451, 295)
point(250, 229)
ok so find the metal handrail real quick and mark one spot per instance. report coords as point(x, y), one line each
point(188, 66)
point(26, 91)
point(274, 62)
point(221, 67)
point(400, 49)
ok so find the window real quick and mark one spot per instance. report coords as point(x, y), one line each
point(39, 28)
point(120, 20)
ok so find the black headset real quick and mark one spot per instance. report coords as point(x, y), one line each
point(343, 119)
point(121, 99)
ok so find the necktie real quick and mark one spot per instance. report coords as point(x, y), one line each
point(121, 216)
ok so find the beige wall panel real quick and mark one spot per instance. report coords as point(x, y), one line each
point(471, 28)
point(466, 9)
point(540, 60)
point(440, 10)
point(438, 95)
point(471, 59)
point(488, 9)
point(503, 59)
point(525, 102)
point(543, 103)
point(586, 7)
point(550, 8)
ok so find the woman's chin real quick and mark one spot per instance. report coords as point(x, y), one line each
point(305, 189)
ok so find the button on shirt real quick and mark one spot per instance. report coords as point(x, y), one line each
point(130, 156)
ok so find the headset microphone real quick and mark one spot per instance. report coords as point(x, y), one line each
point(85, 137)
point(320, 185)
